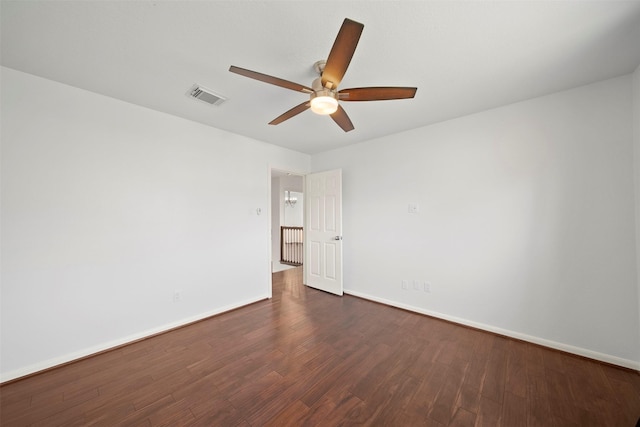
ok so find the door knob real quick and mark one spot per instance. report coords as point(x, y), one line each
point(337, 238)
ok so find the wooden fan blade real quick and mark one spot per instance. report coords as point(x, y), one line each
point(270, 79)
point(292, 112)
point(342, 119)
point(341, 52)
point(377, 93)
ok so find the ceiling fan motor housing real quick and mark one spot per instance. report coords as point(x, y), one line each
point(318, 87)
point(325, 92)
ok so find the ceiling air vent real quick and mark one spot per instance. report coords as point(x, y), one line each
point(205, 95)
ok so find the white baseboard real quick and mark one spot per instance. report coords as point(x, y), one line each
point(607, 358)
point(51, 363)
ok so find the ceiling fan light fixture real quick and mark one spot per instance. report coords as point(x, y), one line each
point(324, 102)
point(323, 93)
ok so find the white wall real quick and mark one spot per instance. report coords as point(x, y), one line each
point(276, 202)
point(108, 208)
point(636, 163)
point(526, 221)
point(293, 216)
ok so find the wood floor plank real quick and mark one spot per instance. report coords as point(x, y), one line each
point(109, 412)
point(628, 399)
point(176, 413)
point(538, 409)
point(469, 398)
point(463, 418)
point(428, 390)
point(307, 358)
point(336, 374)
point(294, 415)
point(514, 410)
point(369, 371)
point(141, 415)
point(214, 411)
point(489, 414)
point(445, 404)
point(495, 376)
point(336, 407)
point(516, 372)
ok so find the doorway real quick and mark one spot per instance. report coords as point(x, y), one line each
point(322, 222)
point(287, 220)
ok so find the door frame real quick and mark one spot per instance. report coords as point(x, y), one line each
point(288, 170)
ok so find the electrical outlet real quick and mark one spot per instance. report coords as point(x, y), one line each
point(427, 287)
point(405, 285)
point(416, 285)
point(414, 208)
point(177, 296)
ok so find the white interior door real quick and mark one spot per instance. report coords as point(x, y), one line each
point(323, 240)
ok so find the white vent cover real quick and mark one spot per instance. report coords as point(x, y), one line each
point(205, 95)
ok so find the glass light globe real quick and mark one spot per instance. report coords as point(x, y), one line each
point(324, 105)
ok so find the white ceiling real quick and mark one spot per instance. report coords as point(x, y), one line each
point(464, 57)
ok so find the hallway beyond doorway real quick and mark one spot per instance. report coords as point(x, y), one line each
point(277, 266)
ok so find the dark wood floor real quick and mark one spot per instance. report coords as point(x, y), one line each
point(307, 358)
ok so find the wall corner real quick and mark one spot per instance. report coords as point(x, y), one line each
point(636, 174)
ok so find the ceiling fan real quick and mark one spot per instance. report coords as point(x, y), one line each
point(324, 93)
